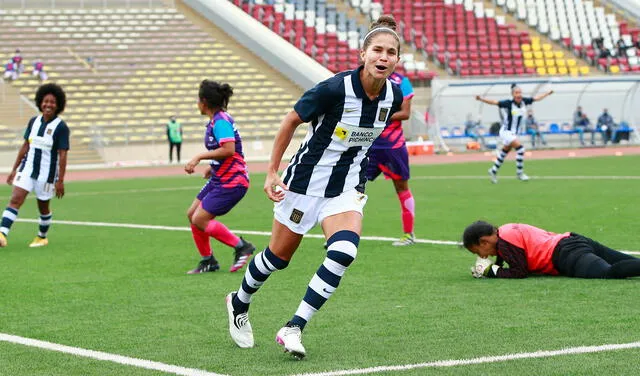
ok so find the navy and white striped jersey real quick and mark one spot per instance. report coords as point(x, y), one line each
point(45, 139)
point(344, 122)
point(513, 114)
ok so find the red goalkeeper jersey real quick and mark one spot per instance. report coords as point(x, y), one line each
point(527, 249)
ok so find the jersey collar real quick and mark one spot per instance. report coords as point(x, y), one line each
point(359, 90)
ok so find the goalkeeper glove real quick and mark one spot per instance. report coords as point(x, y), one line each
point(483, 267)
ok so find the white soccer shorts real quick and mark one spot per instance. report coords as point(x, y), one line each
point(300, 213)
point(44, 191)
point(507, 137)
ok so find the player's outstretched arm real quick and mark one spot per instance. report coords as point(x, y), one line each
point(487, 101)
point(280, 144)
point(542, 96)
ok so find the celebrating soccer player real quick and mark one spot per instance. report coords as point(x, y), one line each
point(41, 163)
point(228, 180)
point(530, 250)
point(324, 182)
point(513, 113)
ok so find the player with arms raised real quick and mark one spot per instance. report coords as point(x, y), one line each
point(513, 113)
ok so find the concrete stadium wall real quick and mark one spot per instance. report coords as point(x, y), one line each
point(269, 46)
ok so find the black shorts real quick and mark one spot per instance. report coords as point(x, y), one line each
point(568, 251)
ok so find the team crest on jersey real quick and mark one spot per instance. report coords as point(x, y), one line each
point(341, 133)
point(383, 114)
point(49, 131)
point(296, 216)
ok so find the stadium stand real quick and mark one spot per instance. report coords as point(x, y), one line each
point(468, 38)
point(323, 32)
point(583, 28)
point(127, 70)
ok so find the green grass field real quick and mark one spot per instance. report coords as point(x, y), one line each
point(124, 290)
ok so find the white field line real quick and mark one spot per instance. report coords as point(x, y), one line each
point(486, 177)
point(244, 232)
point(99, 355)
point(195, 372)
point(460, 177)
point(124, 191)
point(481, 360)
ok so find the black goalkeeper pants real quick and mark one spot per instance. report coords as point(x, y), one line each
point(581, 257)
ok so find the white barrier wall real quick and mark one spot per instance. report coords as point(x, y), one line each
point(452, 100)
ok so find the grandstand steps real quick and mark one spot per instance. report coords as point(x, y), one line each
point(81, 153)
point(14, 112)
point(239, 50)
point(362, 20)
point(522, 26)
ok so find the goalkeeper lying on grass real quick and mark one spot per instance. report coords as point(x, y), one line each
point(530, 250)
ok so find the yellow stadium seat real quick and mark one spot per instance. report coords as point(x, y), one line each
point(552, 70)
point(535, 40)
point(535, 47)
point(549, 54)
point(584, 70)
point(558, 54)
point(538, 54)
point(541, 71)
point(546, 47)
point(614, 69)
point(571, 62)
point(526, 47)
point(563, 70)
point(550, 63)
point(539, 63)
point(561, 62)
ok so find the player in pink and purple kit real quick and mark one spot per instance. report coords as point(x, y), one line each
point(228, 180)
point(388, 155)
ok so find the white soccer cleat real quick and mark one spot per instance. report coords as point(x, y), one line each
point(290, 337)
point(406, 239)
point(239, 325)
point(493, 176)
point(523, 177)
point(3, 240)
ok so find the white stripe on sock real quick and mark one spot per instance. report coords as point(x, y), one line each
point(321, 287)
point(9, 215)
point(344, 246)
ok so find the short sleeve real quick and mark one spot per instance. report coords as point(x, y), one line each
point(504, 103)
point(314, 102)
point(527, 100)
point(223, 131)
point(407, 88)
point(61, 137)
point(28, 130)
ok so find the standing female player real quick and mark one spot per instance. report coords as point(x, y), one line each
point(41, 163)
point(389, 155)
point(513, 113)
point(324, 182)
point(228, 180)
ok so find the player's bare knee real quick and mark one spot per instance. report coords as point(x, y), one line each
point(16, 201)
